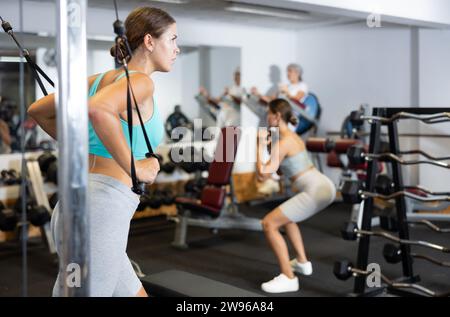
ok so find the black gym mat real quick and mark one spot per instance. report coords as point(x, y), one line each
point(174, 283)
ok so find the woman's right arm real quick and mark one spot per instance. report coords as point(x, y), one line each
point(43, 111)
point(104, 110)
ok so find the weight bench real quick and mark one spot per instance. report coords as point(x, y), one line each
point(213, 210)
point(174, 283)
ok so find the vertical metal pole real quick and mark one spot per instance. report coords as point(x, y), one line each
point(400, 202)
point(73, 147)
point(23, 182)
point(366, 224)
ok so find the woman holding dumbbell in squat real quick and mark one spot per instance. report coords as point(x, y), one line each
point(316, 192)
point(152, 37)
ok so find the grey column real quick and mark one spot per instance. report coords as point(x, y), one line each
point(73, 147)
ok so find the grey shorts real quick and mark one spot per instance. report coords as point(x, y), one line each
point(316, 192)
point(111, 205)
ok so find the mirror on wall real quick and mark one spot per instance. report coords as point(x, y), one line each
point(210, 69)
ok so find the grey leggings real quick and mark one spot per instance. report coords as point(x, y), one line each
point(111, 205)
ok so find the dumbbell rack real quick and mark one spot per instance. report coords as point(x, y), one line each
point(36, 188)
point(401, 204)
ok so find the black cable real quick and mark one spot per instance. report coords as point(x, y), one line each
point(35, 69)
point(116, 10)
point(119, 30)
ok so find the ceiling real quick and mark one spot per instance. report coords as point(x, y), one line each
point(231, 11)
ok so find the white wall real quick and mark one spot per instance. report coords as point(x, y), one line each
point(260, 47)
point(99, 60)
point(191, 83)
point(435, 92)
point(168, 89)
point(223, 63)
point(350, 65)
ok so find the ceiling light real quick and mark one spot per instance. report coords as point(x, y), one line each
point(172, 1)
point(11, 59)
point(268, 11)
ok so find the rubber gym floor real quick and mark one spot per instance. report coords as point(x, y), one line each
point(239, 258)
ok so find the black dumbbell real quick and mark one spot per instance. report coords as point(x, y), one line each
point(6, 179)
point(18, 205)
point(202, 182)
point(53, 200)
point(167, 197)
point(392, 253)
point(10, 177)
point(343, 269)
point(8, 218)
point(52, 173)
point(143, 203)
point(355, 154)
point(188, 167)
point(194, 186)
point(350, 191)
point(356, 118)
point(155, 199)
point(190, 186)
point(14, 176)
point(384, 185)
point(38, 215)
point(192, 159)
point(45, 160)
point(349, 231)
point(168, 167)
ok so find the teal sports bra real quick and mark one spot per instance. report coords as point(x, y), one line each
point(295, 164)
point(154, 128)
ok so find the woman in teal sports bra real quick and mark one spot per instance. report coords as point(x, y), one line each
point(152, 34)
point(316, 192)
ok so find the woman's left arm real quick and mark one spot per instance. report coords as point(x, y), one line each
point(277, 154)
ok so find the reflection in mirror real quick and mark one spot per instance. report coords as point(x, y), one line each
point(204, 84)
point(9, 101)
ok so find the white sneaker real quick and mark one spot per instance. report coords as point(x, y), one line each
point(302, 268)
point(280, 284)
